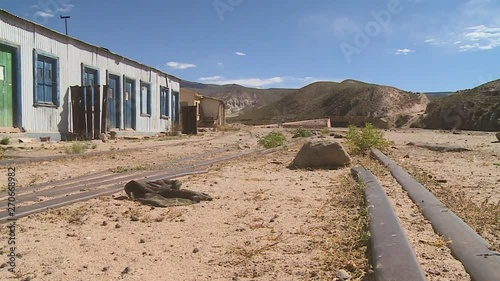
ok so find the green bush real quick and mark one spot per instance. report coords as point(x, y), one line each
point(361, 140)
point(273, 139)
point(302, 133)
point(5, 141)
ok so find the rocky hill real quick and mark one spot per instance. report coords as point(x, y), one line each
point(473, 109)
point(238, 98)
point(348, 102)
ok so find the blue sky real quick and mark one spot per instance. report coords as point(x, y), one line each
point(415, 45)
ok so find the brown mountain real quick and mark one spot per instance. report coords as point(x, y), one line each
point(348, 102)
point(238, 98)
point(473, 109)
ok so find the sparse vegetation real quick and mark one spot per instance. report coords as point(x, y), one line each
point(302, 133)
point(79, 147)
point(348, 248)
point(5, 141)
point(273, 139)
point(361, 140)
point(122, 169)
point(76, 216)
point(484, 216)
point(326, 131)
point(227, 128)
point(402, 120)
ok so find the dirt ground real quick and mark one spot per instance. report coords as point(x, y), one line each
point(266, 222)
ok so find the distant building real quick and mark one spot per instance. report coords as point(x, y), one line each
point(210, 111)
point(39, 67)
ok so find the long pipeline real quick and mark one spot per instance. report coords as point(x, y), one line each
point(466, 245)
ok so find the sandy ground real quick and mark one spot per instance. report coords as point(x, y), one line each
point(472, 172)
point(266, 222)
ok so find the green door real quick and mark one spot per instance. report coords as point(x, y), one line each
point(6, 94)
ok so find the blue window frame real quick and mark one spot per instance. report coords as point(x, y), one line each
point(129, 103)
point(164, 102)
point(46, 80)
point(145, 99)
point(90, 75)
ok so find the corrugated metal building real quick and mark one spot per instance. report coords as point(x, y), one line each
point(39, 65)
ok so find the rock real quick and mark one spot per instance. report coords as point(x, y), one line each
point(439, 147)
point(343, 275)
point(321, 153)
point(126, 270)
point(104, 137)
point(337, 136)
point(498, 136)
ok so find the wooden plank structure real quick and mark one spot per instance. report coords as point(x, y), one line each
point(85, 103)
point(189, 122)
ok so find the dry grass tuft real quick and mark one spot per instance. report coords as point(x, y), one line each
point(259, 195)
point(248, 251)
point(484, 217)
point(346, 224)
point(76, 216)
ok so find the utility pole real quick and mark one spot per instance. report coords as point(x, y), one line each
point(66, 22)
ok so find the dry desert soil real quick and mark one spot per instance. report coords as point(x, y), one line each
point(266, 221)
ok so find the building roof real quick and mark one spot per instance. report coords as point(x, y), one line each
point(196, 95)
point(4, 14)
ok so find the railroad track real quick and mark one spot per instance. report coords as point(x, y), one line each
point(65, 192)
point(392, 255)
point(13, 160)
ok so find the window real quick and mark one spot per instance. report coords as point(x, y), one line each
point(46, 80)
point(145, 99)
point(164, 105)
point(90, 76)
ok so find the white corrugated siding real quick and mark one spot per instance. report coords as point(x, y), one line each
point(72, 54)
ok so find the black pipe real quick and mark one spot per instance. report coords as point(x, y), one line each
point(466, 245)
point(392, 255)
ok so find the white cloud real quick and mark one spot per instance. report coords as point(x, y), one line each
point(480, 37)
point(219, 63)
point(240, 54)
point(471, 26)
point(404, 52)
point(45, 14)
point(180, 65)
point(211, 78)
point(285, 81)
point(248, 82)
point(66, 8)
